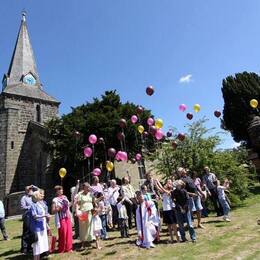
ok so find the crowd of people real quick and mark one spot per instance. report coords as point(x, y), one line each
point(95, 209)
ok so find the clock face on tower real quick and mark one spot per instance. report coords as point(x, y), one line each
point(29, 79)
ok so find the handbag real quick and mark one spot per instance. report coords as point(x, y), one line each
point(32, 237)
point(52, 242)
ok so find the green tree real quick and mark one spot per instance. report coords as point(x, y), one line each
point(200, 149)
point(237, 92)
point(69, 134)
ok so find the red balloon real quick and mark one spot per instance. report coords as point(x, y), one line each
point(111, 152)
point(181, 136)
point(77, 134)
point(169, 133)
point(133, 160)
point(189, 116)
point(145, 134)
point(101, 140)
point(217, 113)
point(122, 123)
point(139, 110)
point(153, 129)
point(120, 136)
point(174, 145)
point(149, 90)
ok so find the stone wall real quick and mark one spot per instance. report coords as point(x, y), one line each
point(3, 135)
point(22, 154)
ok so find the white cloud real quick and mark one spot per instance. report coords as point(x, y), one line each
point(185, 78)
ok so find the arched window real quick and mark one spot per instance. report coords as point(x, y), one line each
point(38, 113)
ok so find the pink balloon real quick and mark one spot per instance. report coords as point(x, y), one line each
point(117, 157)
point(96, 172)
point(92, 139)
point(182, 107)
point(138, 156)
point(88, 152)
point(159, 134)
point(150, 121)
point(134, 119)
point(123, 156)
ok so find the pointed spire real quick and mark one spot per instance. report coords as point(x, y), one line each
point(23, 61)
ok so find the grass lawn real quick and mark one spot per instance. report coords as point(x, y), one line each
point(239, 239)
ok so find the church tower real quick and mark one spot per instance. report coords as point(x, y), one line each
point(24, 108)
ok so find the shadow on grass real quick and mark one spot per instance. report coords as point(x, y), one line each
point(221, 225)
point(12, 254)
point(9, 252)
point(17, 237)
point(213, 221)
point(255, 190)
point(111, 253)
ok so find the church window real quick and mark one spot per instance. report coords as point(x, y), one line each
point(38, 113)
point(12, 144)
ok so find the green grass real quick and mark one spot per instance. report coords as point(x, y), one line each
point(239, 239)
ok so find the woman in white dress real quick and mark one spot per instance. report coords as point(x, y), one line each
point(39, 213)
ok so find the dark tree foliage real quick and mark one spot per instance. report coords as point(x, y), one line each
point(237, 92)
point(69, 134)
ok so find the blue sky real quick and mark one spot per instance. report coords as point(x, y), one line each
point(83, 48)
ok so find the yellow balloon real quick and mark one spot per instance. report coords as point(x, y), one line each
point(158, 123)
point(109, 166)
point(196, 108)
point(253, 103)
point(62, 172)
point(140, 129)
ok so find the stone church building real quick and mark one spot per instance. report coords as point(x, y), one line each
point(24, 108)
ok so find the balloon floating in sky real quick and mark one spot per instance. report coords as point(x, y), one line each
point(158, 123)
point(134, 119)
point(101, 140)
point(96, 172)
point(159, 134)
point(62, 172)
point(181, 136)
point(253, 103)
point(140, 129)
point(174, 144)
point(150, 121)
point(196, 108)
point(121, 156)
point(88, 152)
point(152, 129)
point(92, 139)
point(145, 134)
point(189, 116)
point(109, 166)
point(149, 90)
point(217, 113)
point(111, 152)
point(169, 133)
point(182, 107)
point(138, 157)
point(139, 110)
point(122, 123)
